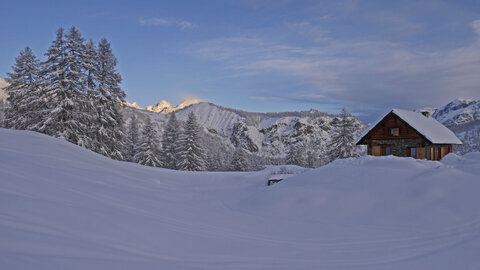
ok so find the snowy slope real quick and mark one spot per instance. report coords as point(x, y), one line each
point(63, 207)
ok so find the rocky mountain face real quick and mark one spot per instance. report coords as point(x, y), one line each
point(462, 116)
point(268, 135)
point(458, 112)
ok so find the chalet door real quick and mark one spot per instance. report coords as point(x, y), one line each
point(376, 150)
point(420, 153)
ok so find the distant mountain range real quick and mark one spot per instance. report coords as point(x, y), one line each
point(268, 135)
point(271, 134)
point(164, 106)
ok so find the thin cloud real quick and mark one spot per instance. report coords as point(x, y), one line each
point(269, 98)
point(181, 24)
point(364, 75)
point(476, 27)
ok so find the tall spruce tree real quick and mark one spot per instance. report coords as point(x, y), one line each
point(24, 93)
point(170, 140)
point(108, 95)
point(191, 152)
point(132, 139)
point(343, 141)
point(147, 151)
point(67, 90)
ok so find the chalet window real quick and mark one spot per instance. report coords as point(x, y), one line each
point(394, 131)
point(388, 151)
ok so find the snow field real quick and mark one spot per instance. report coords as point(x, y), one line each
point(64, 207)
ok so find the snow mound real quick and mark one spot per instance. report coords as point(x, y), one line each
point(64, 207)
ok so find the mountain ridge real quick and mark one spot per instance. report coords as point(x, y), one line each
point(267, 135)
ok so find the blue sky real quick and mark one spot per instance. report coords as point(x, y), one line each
point(367, 56)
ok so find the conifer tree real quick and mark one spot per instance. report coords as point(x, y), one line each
point(240, 161)
point(67, 90)
point(74, 95)
point(191, 153)
point(295, 154)
point(170, 140)
point(147, 151)
point(343, 141)
point(24, 94)
point(132, 139)
point(108, 95)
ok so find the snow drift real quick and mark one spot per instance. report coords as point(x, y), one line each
point(64, 207)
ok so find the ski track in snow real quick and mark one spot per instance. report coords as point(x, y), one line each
point(63, 207)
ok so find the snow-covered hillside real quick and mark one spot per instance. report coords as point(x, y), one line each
point(458, 112)
point(462, 116)
point(268, 135)
point(64, 207)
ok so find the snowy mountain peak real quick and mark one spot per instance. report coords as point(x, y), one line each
point(459, 103)
point(165, 106)
point(160, 106)
point(185, 103)
point(132, 105)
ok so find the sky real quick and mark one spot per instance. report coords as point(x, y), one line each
point(271, 55)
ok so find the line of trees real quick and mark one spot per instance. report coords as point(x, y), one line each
point(180, 148)
point(74, 94)
point(341, 145)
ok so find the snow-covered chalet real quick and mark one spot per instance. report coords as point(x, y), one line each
point(408, 134)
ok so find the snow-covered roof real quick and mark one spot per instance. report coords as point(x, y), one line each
point(428, 127)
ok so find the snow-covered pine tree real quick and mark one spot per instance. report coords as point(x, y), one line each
point(170, 138)
point(147, 151)
point(295, 154)
point(91, 64)
point(240, 160)
point(214, 162)
point(24, 93)
point(108, 95)
point(132, 139)
point(71, 110)
point(190, 150)
point(343, 141)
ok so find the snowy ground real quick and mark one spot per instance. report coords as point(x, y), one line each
point(63, 207)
